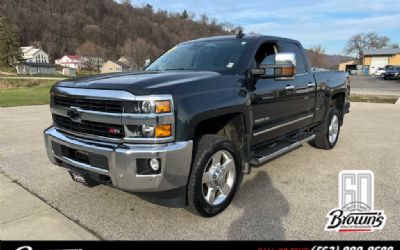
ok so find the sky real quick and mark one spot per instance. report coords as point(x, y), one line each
point(329, 23)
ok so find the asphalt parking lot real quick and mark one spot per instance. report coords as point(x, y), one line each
point(372, 85)
point(288, 198)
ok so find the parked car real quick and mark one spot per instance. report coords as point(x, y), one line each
point(184, 131)
point(380, 72)
point(392, 73)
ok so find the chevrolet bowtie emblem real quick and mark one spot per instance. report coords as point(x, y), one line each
point(74, 114)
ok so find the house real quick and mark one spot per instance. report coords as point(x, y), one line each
point(114, 66)
point(34, 68)
point(34, 55)
point(124, 59)
point(36, 61)
point(128, 61)
point(70, 61)
point(379, 58)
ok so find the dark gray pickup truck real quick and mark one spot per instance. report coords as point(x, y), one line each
point(184, 130)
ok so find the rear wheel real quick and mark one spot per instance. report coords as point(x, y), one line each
point(216, 174)
point(328, 136)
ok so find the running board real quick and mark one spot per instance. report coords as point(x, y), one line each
point(261, 156)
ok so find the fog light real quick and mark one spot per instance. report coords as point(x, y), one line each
point(155, 164)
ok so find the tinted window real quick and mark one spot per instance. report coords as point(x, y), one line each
point(300, 64)
point(221, 55)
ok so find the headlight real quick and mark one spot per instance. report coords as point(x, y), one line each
point(149, 119)
point(157, 131)
point(150, 131)
point(149, 107)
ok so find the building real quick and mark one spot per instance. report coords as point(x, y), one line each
point(350, 66)
point(128, 61)
point(36, 61)
point(70, 61)
point(124, 59)
point(69, 72)
point(35, 68)
point(34, 55)
point(114, 66)
point(379, 58)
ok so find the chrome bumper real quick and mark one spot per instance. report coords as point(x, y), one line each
point(175, 161)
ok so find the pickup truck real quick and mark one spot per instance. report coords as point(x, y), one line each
point(183, 131)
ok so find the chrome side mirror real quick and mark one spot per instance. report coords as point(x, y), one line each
point(280, 65)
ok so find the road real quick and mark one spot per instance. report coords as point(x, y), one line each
point(288, 198)
point(372, 85)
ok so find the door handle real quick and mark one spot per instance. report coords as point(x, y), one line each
point(289, 87)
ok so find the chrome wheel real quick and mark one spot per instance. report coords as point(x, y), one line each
point(218, 177)
point(333, 129)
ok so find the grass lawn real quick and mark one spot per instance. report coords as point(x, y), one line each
point(8, 69)
point(373, 98)
point(20, 92)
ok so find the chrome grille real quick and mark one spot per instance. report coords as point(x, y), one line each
point(89, 127)
point(108, 106)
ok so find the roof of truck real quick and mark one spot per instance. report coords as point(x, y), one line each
point(245, 37)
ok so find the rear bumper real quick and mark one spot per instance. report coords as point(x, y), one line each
point(175, 161)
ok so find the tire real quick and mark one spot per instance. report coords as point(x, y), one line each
point(323, 138)
point(207, 180)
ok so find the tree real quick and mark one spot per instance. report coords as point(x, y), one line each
point(236, 29)
point(317, 56)
point(91, 55)
point(63, 26)
point(138, 51)
point(362, 41)
point(185, 15)
point(10, 52)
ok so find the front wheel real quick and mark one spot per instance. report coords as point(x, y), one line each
point(215, 176)
point(328, 136)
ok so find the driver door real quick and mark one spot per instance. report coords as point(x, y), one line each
point(273, 101)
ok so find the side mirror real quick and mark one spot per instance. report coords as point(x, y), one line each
point(147, 62)
point(280, 65)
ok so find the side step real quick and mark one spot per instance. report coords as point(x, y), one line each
point(264, 154)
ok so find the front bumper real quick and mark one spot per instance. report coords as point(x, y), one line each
point(175, 161)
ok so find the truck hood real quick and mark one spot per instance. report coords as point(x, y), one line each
point(139, 83)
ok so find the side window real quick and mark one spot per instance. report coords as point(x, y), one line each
point(266, 54)
point(300, 64)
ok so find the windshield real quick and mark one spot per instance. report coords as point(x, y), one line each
point(220, 56)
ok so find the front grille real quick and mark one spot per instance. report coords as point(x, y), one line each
point(89, 127)
point(88, 104)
